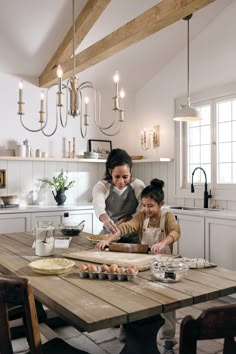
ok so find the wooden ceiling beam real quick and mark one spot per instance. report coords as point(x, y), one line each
point(83, 24)
point(151, 21)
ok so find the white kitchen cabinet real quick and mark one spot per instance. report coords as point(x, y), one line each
point(15, 222)
point(191, 242)
point(221, 242)
point(62, 216)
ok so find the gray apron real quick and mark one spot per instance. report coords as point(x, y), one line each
point(119, 206)
point(151, 235)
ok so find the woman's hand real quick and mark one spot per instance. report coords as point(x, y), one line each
point(110, 226)
point(158, 247)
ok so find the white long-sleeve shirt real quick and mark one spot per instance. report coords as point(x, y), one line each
point(101, 191)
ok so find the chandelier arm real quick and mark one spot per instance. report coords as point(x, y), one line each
point(83, 134)
point(32, 130)
point(56, 126)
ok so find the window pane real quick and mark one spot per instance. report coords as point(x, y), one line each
point(234, 130)
point(224, 111)
point(234, 173)
point(206, 154)
point(205, 134)
point(194, 136)
point(224, 173)
point(234, 152)
point(234, 110)
point(199, 143)
point(206, 114)
point(224, 132)
point(224, 152)
point(194, 154)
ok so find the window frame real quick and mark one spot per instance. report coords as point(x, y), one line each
point(182, 188)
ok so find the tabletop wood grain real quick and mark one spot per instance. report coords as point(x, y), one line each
point(96, 304)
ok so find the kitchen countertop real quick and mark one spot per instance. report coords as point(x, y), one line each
point(222, 214)
point(43, 208)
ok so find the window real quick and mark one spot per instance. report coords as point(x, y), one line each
point(211, 144)
point(226, 141)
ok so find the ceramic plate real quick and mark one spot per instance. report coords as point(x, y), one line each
point(52, 265)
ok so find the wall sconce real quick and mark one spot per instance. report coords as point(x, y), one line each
point(151, 138)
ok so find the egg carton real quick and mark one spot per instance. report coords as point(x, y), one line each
point(106, 275)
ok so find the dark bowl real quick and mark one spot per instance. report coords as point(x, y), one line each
point(71, 229)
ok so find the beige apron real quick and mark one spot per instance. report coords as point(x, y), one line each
point(151, 235)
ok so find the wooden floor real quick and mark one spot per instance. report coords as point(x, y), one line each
point(107, 341)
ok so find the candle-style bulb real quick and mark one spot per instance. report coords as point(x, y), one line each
point(59, 71)
point(116, 77)
point(122, 93)
point(86, 100)
point(42, 95)
point(20, 85)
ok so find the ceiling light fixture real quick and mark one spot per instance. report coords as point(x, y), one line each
point(77, 99)
point(187, 113)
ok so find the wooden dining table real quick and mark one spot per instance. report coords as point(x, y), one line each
point(93, 304)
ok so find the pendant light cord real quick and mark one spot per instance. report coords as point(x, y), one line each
point(188, 88)
point(73, 19)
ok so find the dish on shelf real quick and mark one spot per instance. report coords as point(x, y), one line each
point(52, 266)
point(91, 155)
point(9, 199)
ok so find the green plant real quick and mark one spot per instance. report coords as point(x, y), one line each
point(59, 183)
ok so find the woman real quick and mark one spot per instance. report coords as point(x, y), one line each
point(117, 197)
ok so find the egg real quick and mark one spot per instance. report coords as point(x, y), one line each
point(131, 271)
point(133, 267)
point(121, 270)
point(113, 268)
point(83, 267)
point(92, 268)
point(104, 267)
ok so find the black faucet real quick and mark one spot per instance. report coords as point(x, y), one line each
point(206, 195)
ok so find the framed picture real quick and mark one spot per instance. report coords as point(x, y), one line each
point(2, 178)
point(102, 147)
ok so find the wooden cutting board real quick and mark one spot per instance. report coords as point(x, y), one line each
point(141, 261)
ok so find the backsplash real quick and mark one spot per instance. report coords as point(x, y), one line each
point(22, 179)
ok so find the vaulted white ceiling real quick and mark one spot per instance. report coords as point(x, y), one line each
point(31, 30)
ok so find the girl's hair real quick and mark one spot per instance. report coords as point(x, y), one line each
point(117, 157)
point(154, 191)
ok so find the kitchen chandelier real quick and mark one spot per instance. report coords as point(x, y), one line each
point(77, 102)
point(187, 113)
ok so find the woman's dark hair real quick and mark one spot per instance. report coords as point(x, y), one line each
point(117, 157)
point(154, 191)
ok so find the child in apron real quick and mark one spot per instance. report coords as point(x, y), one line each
point(159, 230)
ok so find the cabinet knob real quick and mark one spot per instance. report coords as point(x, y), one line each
point(66, 215)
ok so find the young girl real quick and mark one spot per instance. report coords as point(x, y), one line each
point(117, 197)
point(159, 230)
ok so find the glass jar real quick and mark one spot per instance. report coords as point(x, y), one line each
point(44, 233)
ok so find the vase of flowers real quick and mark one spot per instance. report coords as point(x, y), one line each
point(59, 184)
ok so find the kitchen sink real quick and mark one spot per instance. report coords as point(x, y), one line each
point(194, 209)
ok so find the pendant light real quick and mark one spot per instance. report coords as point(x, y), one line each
point(187, 113)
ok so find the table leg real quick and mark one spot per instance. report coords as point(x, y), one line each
point(141, 336)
